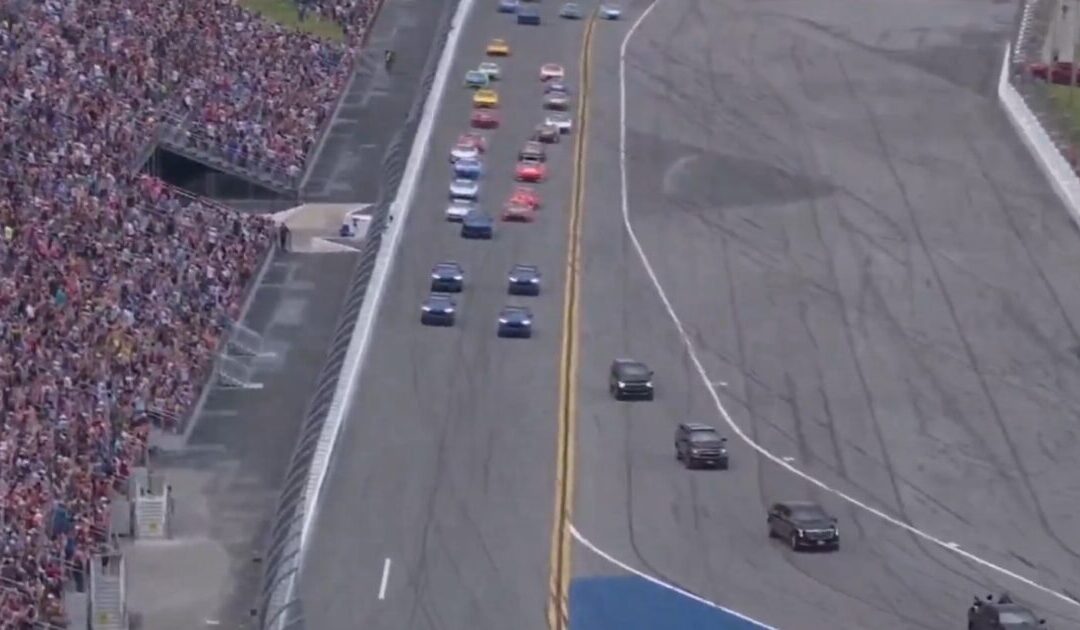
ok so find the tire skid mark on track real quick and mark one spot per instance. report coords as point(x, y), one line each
point(752, 439)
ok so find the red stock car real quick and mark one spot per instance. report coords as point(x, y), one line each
point(484, 119)
point(525, 196)
point(530, 170)
point(518, 212)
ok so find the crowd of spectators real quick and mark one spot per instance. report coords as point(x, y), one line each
point(353, 16)
point(114, 289)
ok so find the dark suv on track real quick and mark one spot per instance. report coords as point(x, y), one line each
point(699, 445)
point(630, 379)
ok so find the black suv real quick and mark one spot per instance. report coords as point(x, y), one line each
point(700, 445)
point(630, 379)
point(1003, 614)
point(804, 525)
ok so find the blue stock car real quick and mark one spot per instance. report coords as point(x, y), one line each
point(476, 79)
point(478, 224)
point(528, 15)
point(468, 168)
point(508, 6)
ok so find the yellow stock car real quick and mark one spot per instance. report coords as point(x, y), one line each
point(498, 48)
point(486, 98)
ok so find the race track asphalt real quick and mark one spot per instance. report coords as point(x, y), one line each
point(877, 279)
point(446, 463)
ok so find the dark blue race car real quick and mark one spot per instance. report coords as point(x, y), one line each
point(438, 309)
point(528, 15)
point(515, 321)
point(447, 277)
point(468, 168)
point(478, 224)
point(524, 280)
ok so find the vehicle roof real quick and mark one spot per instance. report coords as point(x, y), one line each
point(477, 214)
point(449, 263)
point(552, 65)
point(514, 309)
point(558, 116)
point(697, 426)
point(524, 267)
point(475, 71)
point(464, 180)
point(440, 296)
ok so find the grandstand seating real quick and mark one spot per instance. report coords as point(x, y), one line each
point(115, 289)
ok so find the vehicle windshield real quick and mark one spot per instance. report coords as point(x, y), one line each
point(704, 437)
point(634, 370)
point(476, 75)
point(1016, 617)
point(808, 513)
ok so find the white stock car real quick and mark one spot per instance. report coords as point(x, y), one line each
point(464, 189)
point(562, 121)
point(491, 69)
point(457, 210)
point(550, 71)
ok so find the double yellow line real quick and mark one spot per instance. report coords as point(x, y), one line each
point(561, 569)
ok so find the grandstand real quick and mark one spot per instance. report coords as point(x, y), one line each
point(118, 288)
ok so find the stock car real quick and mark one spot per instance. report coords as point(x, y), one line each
point(610, 12)
point(528, 15)
point(515, 321)
point(571, 11)
point(491, 69)
point(508, 6)
point(484, 119)
point(804, 525)
point(530, 171)
point(486, 98)
point(476, 79)
point(560, 120)
point(557, 101)
point(556, 86)
point(469, 146)
point(523, 280)
point(457, 210)
point(548, 134)
point(550, 71)
point(532, 150)
point(498, 48)
point(468, 168)
point(525, 195)
point(447, 277)
point(464, 189)
point(518, 213)
point(438, 310)
point(478, 224)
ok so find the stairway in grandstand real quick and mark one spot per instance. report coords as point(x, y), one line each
point(178, 136)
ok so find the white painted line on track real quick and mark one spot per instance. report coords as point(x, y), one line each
point(349, 378)
point(671, 587)
point(385, 579)
point(691, 350)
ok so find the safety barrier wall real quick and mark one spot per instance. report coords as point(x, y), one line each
point(280, 606)
point(1028, 103)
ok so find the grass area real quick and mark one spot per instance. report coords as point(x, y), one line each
point(284, 12)
point(1067, 100)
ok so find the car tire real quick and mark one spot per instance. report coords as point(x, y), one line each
point(678, 454)
point(794, 541)
point(772, 533)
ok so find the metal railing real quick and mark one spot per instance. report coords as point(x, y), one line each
point(279, 606)
point(1051, 104)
